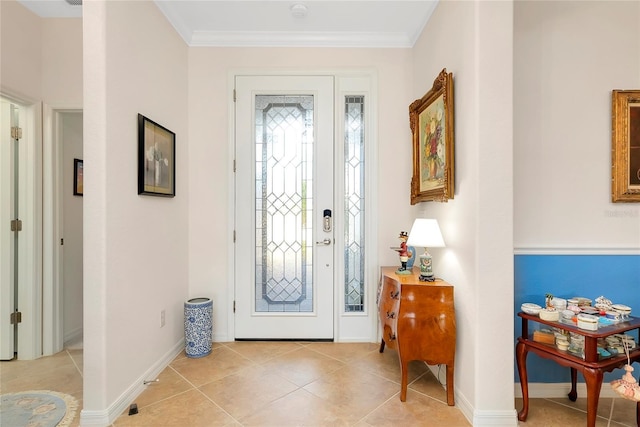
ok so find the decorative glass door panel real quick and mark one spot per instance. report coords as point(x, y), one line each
point(284, 203)
point(284, 187)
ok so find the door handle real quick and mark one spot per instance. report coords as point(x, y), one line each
point(325, 242)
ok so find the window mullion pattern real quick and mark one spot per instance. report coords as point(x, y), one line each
point(354, 207)
point(284, 195)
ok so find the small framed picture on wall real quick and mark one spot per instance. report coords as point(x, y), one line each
point(77, 178)
point(156, 159)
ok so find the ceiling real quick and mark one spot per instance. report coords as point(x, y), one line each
point(320, 23)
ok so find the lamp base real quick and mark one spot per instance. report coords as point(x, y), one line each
point(427, 278)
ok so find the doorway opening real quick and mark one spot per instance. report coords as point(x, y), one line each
point(63, 229)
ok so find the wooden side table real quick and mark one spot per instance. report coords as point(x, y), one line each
point(592, 366)
point(418, 320)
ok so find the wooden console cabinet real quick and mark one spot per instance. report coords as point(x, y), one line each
point(418, 320)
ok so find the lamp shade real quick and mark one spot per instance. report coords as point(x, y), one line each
point(426, 233)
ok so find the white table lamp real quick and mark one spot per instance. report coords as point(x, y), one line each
point(426, 233)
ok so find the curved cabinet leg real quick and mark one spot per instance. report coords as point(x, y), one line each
point(404, 372)
point(593, 379)
point(521, 358)
point(450, 393)
point(381, 345)
point(573, 394)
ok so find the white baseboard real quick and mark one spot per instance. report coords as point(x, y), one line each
point(476, 418)
point(462, 404)
point(94, 418)
point(221, 338)
point(507, 418)
point(495, 418)
point(557, 390)
point(72, 336)
point(106, 417)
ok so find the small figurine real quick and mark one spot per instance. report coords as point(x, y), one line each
point(404, 253)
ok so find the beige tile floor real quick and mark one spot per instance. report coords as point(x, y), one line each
point(293, 384)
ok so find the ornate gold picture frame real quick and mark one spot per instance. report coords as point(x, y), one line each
point(431, 121)
point(625, 152)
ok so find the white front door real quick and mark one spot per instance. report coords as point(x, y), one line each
point(284, 260)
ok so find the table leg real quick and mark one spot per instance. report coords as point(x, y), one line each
point(381, 345)
point(450, 398)
point(573, 394)
point(404, 374)
point(638, 414)
point(521, 358)
point(593, 379)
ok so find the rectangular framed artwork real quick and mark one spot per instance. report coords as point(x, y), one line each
point(78, 178)
point(431, 122)
point(625, 153)
point(156, 159)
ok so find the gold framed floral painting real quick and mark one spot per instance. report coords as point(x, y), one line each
point(156, 159)
point(431, 122)
point(625, 153)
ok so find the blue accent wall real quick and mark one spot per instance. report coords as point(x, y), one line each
point(617, 277)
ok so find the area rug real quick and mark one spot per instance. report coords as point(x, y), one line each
point(37, 408)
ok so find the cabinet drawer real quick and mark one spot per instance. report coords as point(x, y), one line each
point(388, 311)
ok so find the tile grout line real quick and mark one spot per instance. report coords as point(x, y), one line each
point(218, 406)
point(377, 407)
point(300, 346)
point(570, 407)
point(193, 387)
point(253, 363)
point(74, 363)
point(427, 395)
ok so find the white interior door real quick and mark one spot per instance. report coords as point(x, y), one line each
point(8, 181)
point(284, 260)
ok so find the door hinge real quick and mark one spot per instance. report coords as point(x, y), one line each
point(234, 306)
point(234, 95)
point(16, 132)
point(234, 236)
point(16, 318)
point(234, 165)
point(61, 242)
point(16, 225)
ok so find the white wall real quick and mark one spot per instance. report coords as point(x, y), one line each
point(568, 57)
point(21, 47)
point(210, 218)
point(71, 140)
point(41, 58)
point(135, 247)
point(62, 62)
point(473, 40)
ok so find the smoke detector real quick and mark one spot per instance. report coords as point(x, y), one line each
point(74, 2)
point(299, 10)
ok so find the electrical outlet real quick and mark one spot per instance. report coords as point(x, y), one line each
point(162, 318)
